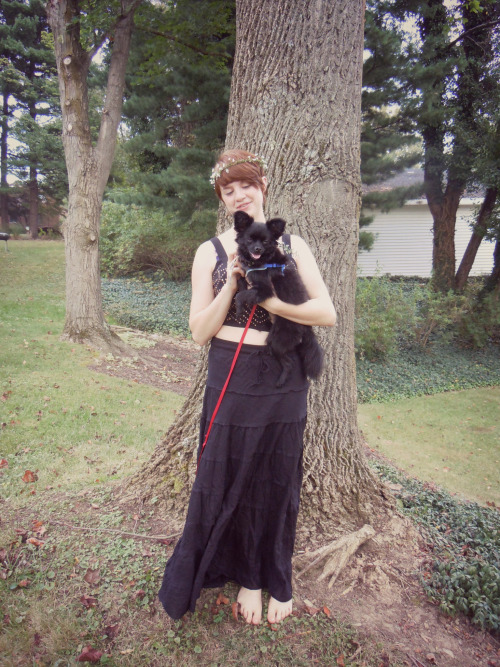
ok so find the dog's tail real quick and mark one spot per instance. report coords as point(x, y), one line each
point(312, 354)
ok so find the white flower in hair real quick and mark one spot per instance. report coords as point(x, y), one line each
point(231, 162)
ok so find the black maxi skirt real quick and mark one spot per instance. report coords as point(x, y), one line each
point(244, 502)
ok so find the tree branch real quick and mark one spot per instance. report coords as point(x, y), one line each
point(172, 38)
point(107, 34)
point(466, 33)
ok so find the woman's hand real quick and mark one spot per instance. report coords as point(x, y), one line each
point(234, 272)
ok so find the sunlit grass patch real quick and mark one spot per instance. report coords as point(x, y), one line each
point(450, 439)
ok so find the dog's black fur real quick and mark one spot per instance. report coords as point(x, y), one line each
point(258, 246)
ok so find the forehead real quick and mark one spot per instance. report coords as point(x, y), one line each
point(235, 183)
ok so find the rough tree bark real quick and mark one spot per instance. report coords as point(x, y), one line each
point(478, 234)
point(88, 165)
point(295, 99)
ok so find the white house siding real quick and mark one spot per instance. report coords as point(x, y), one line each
point(403, 242)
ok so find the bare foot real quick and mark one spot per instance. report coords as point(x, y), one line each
point(250, 605)
point(278, 610)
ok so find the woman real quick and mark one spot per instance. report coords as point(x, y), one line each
point(244, 502)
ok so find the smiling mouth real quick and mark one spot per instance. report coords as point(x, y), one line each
point(256, 255)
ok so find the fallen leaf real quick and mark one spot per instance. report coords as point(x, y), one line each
point(327, 611)
point(35, 542)
point(222, 599)
point(111, 631)
point(24, 583)
point(89, 654)
point(234, 610)
point(140, 594)
point(340, 661)
point(311, 610)
point(92, 576)
point(29, 476)
point(147, 554)
point(430, 657)
point(4, 463)
point(88, 601)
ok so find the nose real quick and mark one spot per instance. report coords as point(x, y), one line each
point(239, 193)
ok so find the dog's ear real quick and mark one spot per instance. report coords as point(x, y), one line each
point(242, 221)
point(276, 226)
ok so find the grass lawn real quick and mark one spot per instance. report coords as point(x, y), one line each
point(72, 578)
point(451, 439)
point(72, 582)
point(70, 426)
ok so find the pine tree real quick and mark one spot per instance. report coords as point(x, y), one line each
point(30, 85)
point(176, 108)
point(389, 142)
point(450, 86)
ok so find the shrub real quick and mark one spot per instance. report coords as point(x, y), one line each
point(136, 239)
point(436, 315)
point(383, 314)
point(480, 322)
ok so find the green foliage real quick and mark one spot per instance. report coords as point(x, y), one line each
point(435, 315)
point(381, 316)
point(389, 144)
point(176, 107)
point(391, 315)
point(136, 239)
point(481, 320)
point(149, 305)
point(28, 82)
point(464, 574)
point(411, 372)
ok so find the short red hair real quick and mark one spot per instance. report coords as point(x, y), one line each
point(251, 170)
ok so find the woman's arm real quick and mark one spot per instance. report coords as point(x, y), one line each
point(319, 310)
point(207, 313)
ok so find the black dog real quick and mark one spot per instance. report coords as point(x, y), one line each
point(269, 272)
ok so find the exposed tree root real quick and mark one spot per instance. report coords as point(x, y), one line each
point(337, 554)
point(101, 339)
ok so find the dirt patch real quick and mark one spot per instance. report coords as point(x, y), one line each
point(159, 360)
point(379, 591)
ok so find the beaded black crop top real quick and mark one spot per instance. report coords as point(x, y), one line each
point(261, 320)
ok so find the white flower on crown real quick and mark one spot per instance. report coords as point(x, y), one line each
point(231, 162)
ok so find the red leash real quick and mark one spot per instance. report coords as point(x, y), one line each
point(226, 383)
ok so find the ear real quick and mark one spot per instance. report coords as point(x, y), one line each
point(242, 221)
point(276, 226)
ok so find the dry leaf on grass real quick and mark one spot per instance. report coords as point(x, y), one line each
point(89, 654)
point(92, 577)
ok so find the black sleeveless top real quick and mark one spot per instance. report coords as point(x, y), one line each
point(261, 320)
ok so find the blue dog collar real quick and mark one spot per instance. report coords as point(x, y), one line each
point(268, 266)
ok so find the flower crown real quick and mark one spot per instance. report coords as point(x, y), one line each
point(231, 162)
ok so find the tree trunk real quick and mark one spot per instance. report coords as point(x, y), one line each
point(493, 282)
point(444, 213)
point(88, 166)
point(296, 99)
point(33, 203)
point(4, 198)
point(480, 229)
